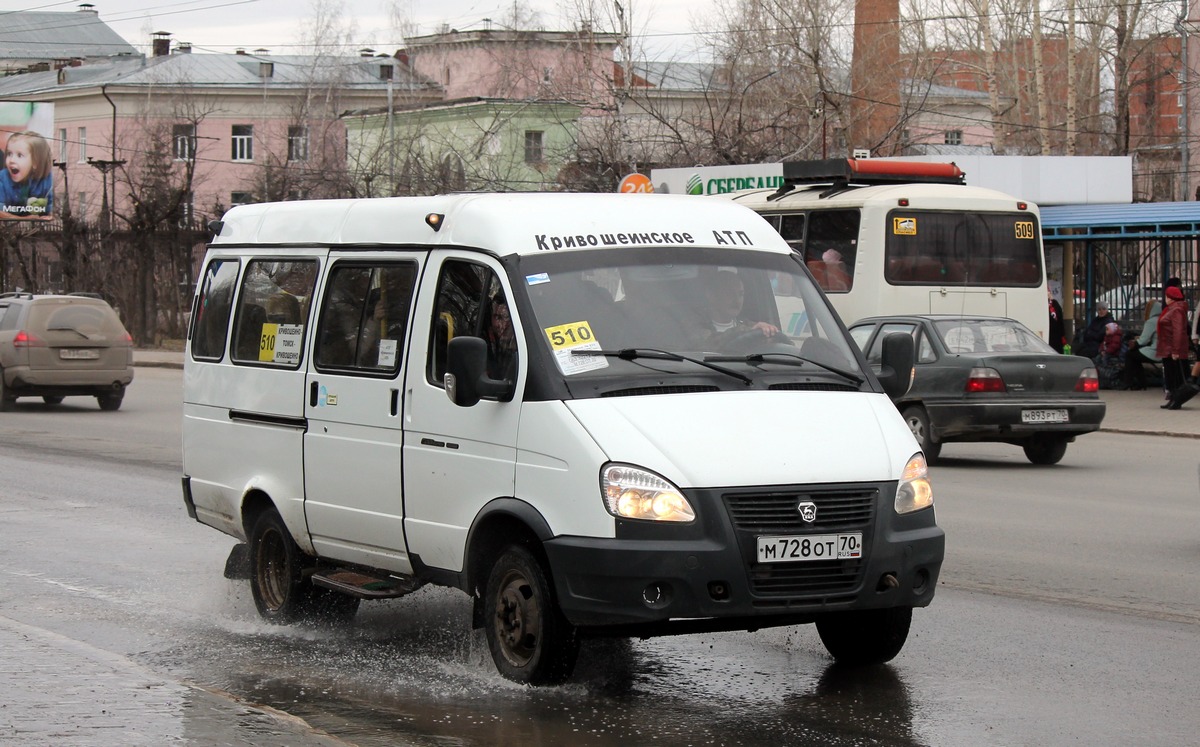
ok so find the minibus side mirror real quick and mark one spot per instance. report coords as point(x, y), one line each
point(466, 378)
point(896, 367)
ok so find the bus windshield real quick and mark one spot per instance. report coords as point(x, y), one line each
point(962, 248)
point(643, 312)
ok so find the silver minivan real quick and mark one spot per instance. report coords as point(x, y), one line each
point(56, 346)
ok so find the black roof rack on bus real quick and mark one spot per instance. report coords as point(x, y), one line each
point(841, 174)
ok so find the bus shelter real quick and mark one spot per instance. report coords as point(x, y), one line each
point(1122, 255)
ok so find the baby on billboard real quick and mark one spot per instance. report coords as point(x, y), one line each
point(26, 183)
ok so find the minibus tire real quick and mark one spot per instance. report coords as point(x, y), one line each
point(865, 637)
point(52, 399)
point(917, 421)
point(281, 592)
point(530, 639)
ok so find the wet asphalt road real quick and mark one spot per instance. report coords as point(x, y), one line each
point(1068, 614)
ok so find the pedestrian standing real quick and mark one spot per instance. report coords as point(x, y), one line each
point(1172, 345)
point(1057, 331)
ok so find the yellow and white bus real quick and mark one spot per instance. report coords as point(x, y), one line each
point(895, 237)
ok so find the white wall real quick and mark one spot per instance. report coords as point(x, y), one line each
point(1043, 180)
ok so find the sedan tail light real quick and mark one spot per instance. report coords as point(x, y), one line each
point(984, 380)
point(25, 340)
point(1088, 381)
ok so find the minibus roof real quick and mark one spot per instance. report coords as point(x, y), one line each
point(919, 196)
point(502, 224)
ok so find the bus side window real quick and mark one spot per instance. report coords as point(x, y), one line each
point(465, 294)
point(832, 240)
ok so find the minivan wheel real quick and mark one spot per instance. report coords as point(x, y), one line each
point(530, 639)
point(6, 400)
point(918, 422)
point(1046, 449)
point(110, 402)
point(866, 636)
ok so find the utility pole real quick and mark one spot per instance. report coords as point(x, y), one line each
point(105, 167)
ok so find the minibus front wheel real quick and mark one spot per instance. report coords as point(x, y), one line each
point(530, 639)
point(862, 637)
point(282, 590)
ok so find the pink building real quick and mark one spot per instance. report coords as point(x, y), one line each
point(225, 129)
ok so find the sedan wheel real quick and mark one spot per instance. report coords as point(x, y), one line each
point(1046, 449)
point(918, 423)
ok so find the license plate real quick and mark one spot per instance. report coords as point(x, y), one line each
point(79, 354)
point(1044, 416)
point(806, 547)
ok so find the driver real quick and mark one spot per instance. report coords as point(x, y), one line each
point(724, 294)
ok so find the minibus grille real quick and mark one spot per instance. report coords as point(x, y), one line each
point(777, 512)
point(818, 578)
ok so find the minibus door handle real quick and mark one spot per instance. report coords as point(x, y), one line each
point(313, 390)
point(395, 402)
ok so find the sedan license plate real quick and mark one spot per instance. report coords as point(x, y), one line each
point(806, 547)
point(79, 354)
point(1044, 416)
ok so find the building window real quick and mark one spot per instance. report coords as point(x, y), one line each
point(297, 143)
point(62, 145)
point(240, 198)
point(82, 144)
point(243, 142)
point(533, 146)
point(953, 137)
point(297, 194)
point(186, 210)
point(386, 72)
point(81, 205)
point(183, 137)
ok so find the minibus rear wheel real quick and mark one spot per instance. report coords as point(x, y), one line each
point(865, 637)
point(530, 639)
point(281, 589)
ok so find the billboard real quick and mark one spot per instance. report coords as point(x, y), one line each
point(27, 181)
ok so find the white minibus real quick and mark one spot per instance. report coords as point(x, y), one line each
point(895, 237)
point(581, 410)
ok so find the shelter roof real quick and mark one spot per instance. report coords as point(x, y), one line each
point(1141, 220)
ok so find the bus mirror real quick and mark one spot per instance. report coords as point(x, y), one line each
point(466, 378)
point(896, 369)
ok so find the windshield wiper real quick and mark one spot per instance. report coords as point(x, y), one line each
point(629, 354)
point(84, 335)
point(786, 359)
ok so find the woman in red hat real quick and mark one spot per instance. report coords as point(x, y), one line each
point(1173, 344)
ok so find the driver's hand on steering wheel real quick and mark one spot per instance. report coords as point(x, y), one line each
point(768, 330)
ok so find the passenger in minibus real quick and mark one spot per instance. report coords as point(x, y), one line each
point(502, 344)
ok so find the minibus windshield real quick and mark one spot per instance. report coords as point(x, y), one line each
point(729, 315)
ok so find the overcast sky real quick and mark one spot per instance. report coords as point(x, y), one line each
point(224, 25)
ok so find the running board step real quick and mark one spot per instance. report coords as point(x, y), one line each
point(365, 586)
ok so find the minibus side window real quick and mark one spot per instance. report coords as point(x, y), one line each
point(210, 318)
point(364, 317)
point(272, 312)
point(471, 301)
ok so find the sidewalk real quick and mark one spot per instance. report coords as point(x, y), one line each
point(1128, 412)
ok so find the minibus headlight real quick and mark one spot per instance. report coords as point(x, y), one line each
point(634, 493)
point(914, 492)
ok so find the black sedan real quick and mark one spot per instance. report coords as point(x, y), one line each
point(989, 379)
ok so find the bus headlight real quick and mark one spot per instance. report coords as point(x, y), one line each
point(634, 493)
point(914, 492)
